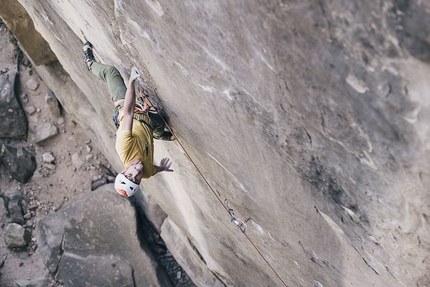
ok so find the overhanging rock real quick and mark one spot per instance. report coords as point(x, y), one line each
point(187, 256)
point(21, 25)
point(311, 118)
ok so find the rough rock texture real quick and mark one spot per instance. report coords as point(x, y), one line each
point(95, 234)
point(52, 103)
point(45, 131)
point(13, 124)
point(76, 271)
point(310, 117)
point(16, 236)
point(21, 25)
point(13, 207)
point(20, 162)
point(32, 84)
point(186, 256)
point(39, 282)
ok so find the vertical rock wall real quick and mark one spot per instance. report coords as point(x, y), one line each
point(310, 117)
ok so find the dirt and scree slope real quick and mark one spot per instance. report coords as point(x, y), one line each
point(53, 185)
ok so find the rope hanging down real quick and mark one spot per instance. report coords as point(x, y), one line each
point(240, 223)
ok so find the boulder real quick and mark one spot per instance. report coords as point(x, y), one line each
point(13, 123)
point(52, 103)
point(45, 131)
point(48, 157)
point(49, 235)
point(96, 271)
point(16, 236)
point(101, 227)
point(20, 163)
point(77, 161)
point(30, 110)
point(13, 208)
point(32, 84)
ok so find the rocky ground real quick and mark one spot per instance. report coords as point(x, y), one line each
point(68, 166)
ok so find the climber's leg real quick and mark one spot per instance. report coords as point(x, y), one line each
point(157, 123)
point(107, 73)
point(111, 75)
point(159, 133)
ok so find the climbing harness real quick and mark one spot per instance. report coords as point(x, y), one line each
point(139, 109)
point(240, 223)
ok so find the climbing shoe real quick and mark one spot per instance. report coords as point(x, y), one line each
point(166, 136)
point(88, 53)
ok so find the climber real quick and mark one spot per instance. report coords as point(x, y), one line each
point(137, 127)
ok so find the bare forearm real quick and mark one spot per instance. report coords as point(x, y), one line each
point(130, 99)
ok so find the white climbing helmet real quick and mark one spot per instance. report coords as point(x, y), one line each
point(124, 186)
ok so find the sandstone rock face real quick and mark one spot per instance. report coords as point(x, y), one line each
point(311, 118)
point(183, 252)
point(22, 26)
point(93, 242)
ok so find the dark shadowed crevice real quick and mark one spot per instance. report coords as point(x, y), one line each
point(150, 238)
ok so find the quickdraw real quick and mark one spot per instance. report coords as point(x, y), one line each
point(236, 220)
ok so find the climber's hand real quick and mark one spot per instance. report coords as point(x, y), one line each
point(134, 74)
point(164, 165)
